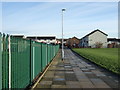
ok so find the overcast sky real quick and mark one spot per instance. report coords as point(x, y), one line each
point(44, 18)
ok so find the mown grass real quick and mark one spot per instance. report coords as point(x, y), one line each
point(105, 57)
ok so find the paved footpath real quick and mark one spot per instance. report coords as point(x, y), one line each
point(75, 72)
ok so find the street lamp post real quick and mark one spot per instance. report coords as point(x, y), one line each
point(62, 35)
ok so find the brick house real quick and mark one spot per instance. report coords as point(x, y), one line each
point(73, 42)
point(113, 43)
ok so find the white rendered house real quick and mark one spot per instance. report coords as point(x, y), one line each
point(94, 37)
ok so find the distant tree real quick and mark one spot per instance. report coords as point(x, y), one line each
point(98, 45)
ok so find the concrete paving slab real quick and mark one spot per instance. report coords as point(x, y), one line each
point(87, 85)
point(70, 77)
point(99, 83)
point(58, 82)
point(43, 86)
point(59, 86)
point(45, 82)
point(73, 84)
point(47, 79)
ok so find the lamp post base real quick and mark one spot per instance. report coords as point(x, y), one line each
point(62, 60)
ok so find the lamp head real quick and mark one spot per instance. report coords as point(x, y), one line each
point(63, 9)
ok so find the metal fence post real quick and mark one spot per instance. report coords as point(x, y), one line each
point(30, 61)
point(41, 59)
point(33, 60)
point(5, 64)
point(0, 61)
point(9, 46)
point(46, 55)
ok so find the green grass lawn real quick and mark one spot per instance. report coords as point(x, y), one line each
point(105, 57)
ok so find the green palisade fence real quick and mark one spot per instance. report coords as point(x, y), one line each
point(51, 52)
point(23, 60)
point(48, 53)
point(5, 65)
point(36, 59)
point(44, 55)
point(20, 58)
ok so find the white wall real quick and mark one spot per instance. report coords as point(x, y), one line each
point(97, 37)
point(84, 42)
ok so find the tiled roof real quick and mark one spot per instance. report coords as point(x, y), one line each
point(93, 32)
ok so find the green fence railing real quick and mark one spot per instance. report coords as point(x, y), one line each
point(5, 62)
point(36, 59)
point(22, 60)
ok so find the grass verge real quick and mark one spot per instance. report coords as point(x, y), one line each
point(105, 57)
